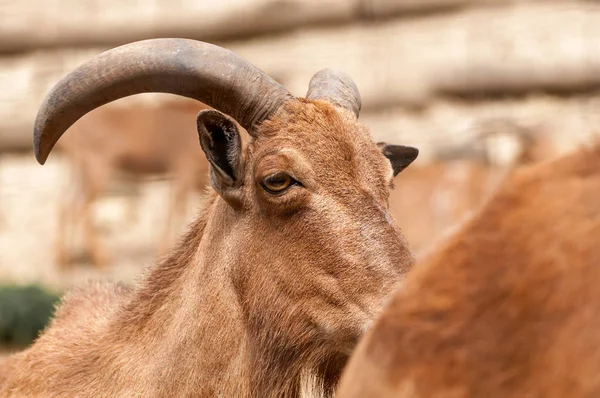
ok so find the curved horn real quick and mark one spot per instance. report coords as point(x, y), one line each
point(193, 69)
point(335, 87)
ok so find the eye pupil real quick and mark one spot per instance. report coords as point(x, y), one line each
point(277, 182)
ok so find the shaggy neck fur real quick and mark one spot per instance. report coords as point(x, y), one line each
point(212, 340)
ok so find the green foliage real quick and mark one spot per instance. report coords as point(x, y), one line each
point(24, 312)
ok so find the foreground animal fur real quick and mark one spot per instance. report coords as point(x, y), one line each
point(257, 295)
point(509, 306)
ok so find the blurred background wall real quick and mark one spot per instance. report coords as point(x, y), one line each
point(479, 86)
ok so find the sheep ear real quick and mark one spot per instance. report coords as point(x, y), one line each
point(400, 156)
point(221, 142)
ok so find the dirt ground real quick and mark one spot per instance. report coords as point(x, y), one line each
point(29, 203)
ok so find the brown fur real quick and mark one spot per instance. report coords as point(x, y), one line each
point(262, 293)
point(437, 196)
point(507, 307)
point(136, 140)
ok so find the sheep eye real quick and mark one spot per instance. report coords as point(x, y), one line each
point(277, 183)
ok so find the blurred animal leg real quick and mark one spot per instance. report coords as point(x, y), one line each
point(180, 188)
point(68, 213)
point(95, 180)
point(134, 198)
point(131, 209)
point(66, 206)
point(90, 232)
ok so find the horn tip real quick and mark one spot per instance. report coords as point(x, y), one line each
point(40, 155)
point(40, 158)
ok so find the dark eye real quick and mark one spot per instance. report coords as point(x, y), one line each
point(277, 183)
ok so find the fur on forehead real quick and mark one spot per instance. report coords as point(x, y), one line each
point(304, 118)
point(328, 131)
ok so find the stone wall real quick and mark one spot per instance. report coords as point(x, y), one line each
point(425, 68)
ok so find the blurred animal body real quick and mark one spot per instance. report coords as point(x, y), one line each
point(438, 195)
point(132, 141)
point(508, 306)
point(282, 272)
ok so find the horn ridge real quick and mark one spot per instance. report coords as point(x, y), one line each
point(335, 87)
point(194, 69)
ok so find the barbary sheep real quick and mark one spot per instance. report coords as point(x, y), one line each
point(281, 273)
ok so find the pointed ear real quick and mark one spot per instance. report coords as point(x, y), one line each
point(221, 142)
point(400, 156)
